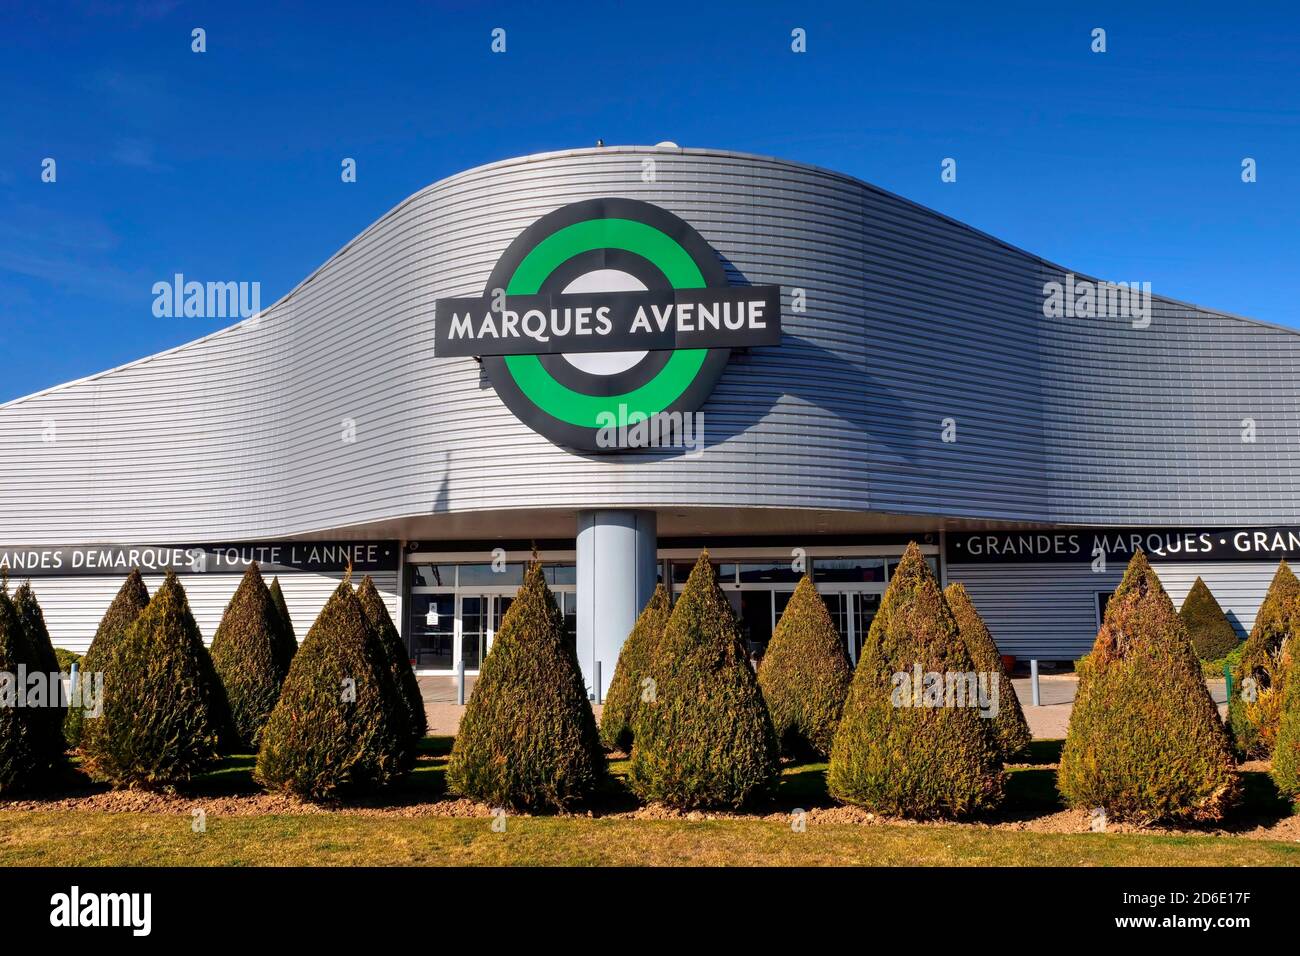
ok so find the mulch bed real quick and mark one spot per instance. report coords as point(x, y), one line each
point(82, 795)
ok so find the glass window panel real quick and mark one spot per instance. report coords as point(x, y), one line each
point(848, 569)
point(503, 603)
point(682, 571)
point(560, 574)
point(782, 598)
point(754, 615)
point(865, 607)
point(473, 630)
point(838, 607)
point(476, 575)
point(432, 575)
point(1103, 600)
point(430, 635)
point(569, 605)
point(931, 560)
point(768, 571)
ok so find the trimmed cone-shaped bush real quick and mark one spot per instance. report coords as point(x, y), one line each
point(66, 659)
point(43, 659)
point(1145, 740)
point(805, 675)
point(909, 750)
point(704, 738)
point(528, 738)
point(24, 756)
point(287, 632)
point(1009, 726)
point(396, 657)
point(163, 706)
point(250, 656)
point(340, 725)
point(1259, 682)
point(1212, 634)
point(132, 598)
point(625, 690)
point(1286, 752)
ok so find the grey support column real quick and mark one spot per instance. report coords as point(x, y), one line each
point(616, 577)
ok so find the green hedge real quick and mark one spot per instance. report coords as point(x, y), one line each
point(805, 675)
point(130, 601)
point(1145, 740)
point(703, 737)
point(286, 632)
point(1009, 725)
point(528, 738)
point(28, 750)
point(1212, 634)
point(900, 750)
point(1265, 661)
point(249, 652)
point(1286, 754)
point(164, 708)
point(625, 690)
point(396, 658)
point(339, 727)
point(43, 659)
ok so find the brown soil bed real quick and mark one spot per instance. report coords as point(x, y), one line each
point(82, 795)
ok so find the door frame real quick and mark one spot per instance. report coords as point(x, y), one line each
point(493, 594)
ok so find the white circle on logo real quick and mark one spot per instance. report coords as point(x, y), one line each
point(604, 280)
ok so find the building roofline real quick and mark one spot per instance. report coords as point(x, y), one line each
point(602, 150)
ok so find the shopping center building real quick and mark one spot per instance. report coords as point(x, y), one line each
point(622, 355)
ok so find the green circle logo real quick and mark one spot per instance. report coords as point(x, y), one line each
point(628, 248)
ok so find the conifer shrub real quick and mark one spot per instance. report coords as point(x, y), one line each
point(53, 709)
point(1286, 753)
point(339, 727)
point(625, 690)
point(163, 706)
point(1212, 634)
point(805, 675)
point(290, 637)
point(66, 659)
point(1259, 681)
point(396, 657)
point(132, 598)
point(1145, 741)
point(906, 746)
point(251, 658)
point(1010, 726)
point(20, 735)
point(528, 738)
point(703, 736)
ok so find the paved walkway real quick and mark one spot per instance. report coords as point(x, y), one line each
point(1047, 721)
point(1051, 718)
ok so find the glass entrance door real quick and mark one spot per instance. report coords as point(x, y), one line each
point(432, 633)
point(475, 621)
point(446, 628)
point(865, 605)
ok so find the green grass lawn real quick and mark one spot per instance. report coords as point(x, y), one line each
point(77, 838)
point(71, 837)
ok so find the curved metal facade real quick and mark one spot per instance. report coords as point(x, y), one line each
point(911, 319)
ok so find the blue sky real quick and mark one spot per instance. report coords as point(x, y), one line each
point(225, 165)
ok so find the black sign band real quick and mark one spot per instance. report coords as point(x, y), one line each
point(277, 557)
point(1085, 545)
point(659, 320)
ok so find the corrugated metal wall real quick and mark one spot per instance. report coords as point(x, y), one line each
point(1049, 611)
point(73, 606)
point(912, 318)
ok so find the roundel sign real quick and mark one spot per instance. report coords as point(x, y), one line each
point(603, 317)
